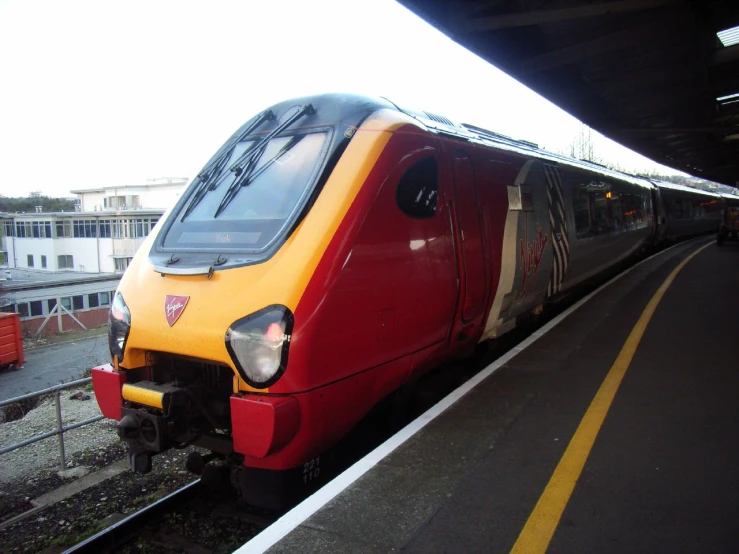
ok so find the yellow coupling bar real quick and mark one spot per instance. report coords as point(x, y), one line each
point(145, 396)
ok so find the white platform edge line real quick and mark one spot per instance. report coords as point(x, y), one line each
point(288, 522)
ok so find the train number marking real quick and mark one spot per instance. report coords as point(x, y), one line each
point(311, 470)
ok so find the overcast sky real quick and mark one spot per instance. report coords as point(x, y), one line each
point(97, 93)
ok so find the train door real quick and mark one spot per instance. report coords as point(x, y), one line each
point(472, 280)
point(558, 229)
point(528, 273)
point(659, 221)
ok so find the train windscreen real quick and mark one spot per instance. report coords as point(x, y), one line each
point(251, 195)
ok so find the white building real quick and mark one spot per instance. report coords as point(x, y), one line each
point(101, 237)
point(155, 194)
point(63, 267)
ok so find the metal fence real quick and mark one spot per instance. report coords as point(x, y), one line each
point(60, 428)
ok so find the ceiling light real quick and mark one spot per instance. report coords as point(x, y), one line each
point(729, 37)
point(728, 98)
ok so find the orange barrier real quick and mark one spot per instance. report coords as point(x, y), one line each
point(11, 341)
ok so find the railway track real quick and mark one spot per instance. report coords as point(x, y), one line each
point(119, 533)
point(159, 526)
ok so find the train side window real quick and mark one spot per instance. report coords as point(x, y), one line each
point(602, 217)
point(617, 211)
point(581, 205)
point(418, 189)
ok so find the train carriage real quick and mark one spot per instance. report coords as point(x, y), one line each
point(729, 219)
point(334, 249)
point(686, 211)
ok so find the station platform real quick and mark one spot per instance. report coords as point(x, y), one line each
point(608, 430)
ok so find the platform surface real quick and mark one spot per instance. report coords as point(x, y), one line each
point(663, 472)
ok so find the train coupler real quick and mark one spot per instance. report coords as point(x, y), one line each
point(144, 430)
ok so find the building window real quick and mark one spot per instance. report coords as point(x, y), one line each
point(30, 260)
point(23, 309)
point(65, 262)
point(50, 305)
point(115, 202)
point(23, 229)
point(85, 228)
point(8, 228)
point(37, 308)
point(41, 229)
point(43, 261)
point(122, 263)
point(9, 309)
point(105, 228)
point(63, 229)
point(78, 302)
point(417, 190)
point(98, 299)
point(67, 303)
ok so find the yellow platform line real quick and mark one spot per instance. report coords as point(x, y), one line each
point(542, 523)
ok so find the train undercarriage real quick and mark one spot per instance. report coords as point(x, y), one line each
point(178, 402)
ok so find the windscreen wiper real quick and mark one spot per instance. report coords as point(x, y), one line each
point(251, 157)
point(249, 175)
point(210, 175)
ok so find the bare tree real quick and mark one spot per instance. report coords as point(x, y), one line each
point(582, 146)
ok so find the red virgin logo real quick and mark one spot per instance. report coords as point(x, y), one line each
point(173, 307)
point(531, 255)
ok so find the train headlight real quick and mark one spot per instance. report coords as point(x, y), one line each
point(119, 324)
point(259, 343)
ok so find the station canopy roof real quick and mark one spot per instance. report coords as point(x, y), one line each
point(658, 76)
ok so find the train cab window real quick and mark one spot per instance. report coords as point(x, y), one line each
point(252, 204)
point(418, 189)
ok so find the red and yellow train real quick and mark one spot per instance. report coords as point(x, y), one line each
point(336, 248)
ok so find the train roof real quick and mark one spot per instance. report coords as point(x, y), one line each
point(352, 108)
point(733, 198)
point(675, 186)
point(475, 134)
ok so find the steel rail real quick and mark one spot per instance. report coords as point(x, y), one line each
point(118, 533)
